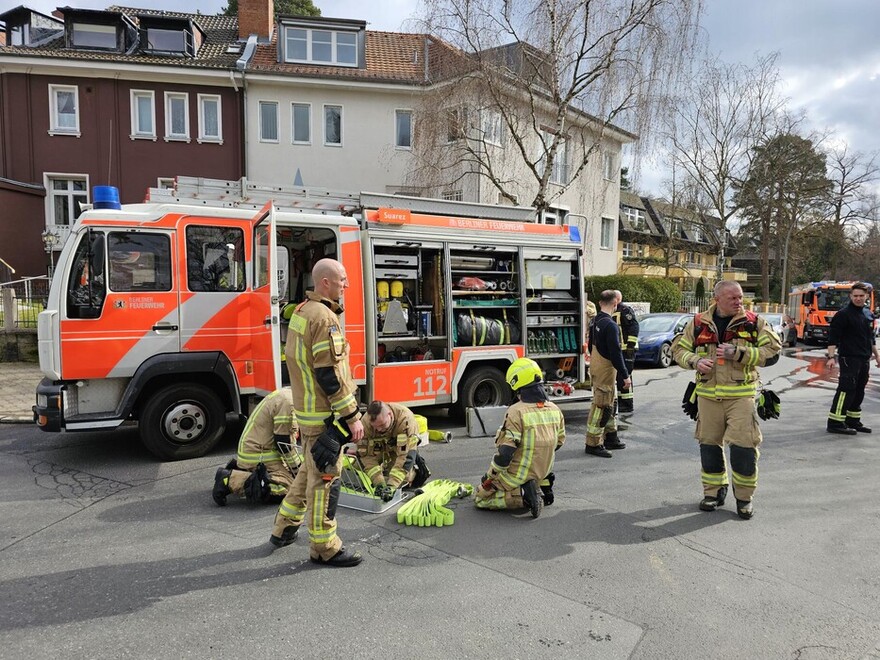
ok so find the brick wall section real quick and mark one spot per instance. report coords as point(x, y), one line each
point(256, 17)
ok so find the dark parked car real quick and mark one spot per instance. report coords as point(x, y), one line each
point(656, 332)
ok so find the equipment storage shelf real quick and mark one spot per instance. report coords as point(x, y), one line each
point(409, 301)
point(554, 318)
point(486, 285)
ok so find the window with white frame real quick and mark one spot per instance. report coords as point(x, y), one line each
point(641, 251)
point(456, 127)
point(606, 239)
point(66, 194)
point(143, 114)
point(334, 47)
point(268, 121)
point(63, 109)
point(554, 215)
point(626, 250)
point(176, 116)
point(403, 129)
point(210, 118)
point(609, 166)
point(301, 116)
point(492, 125)
point(333, 125)
point(452, 195)
point(635, 218)
point(559, 167)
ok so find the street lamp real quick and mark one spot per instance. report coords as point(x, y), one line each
point(50, 240)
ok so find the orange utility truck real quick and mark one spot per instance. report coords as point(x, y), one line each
point(171, 313)
point(814, 304)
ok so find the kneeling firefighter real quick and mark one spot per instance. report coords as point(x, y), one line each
point(389, 449)
point(533, 430)
point(265, 465)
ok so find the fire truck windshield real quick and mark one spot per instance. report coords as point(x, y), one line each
point(832, 299)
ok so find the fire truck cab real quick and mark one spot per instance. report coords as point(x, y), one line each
point(814, 304)
point(172, 313)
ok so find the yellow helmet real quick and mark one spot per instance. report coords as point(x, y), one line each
point(524, 371)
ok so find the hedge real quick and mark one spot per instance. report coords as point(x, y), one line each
point(663, 295)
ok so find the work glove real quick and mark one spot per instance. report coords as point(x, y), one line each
point(325, 451)
point(386, 492)
point(768, 405)
point(689, 401)
point(256, 488)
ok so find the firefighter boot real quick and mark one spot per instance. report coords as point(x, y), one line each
point(744, 509)
point(712, 503)
point(598, 450)
point(613, 442)
point(221, 486)
point(531, 497)
point(840, 428)
point(856, 425)
point(287, 537)
point(547, 489)
point(342, 559)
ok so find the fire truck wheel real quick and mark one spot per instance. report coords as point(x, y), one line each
point(182, 421)
point(481, 387)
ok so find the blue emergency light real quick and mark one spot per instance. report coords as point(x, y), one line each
point(106, 197)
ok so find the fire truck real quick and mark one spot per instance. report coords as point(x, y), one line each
point(814, 304)
point(171, 313)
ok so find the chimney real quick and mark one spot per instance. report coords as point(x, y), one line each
point(256, 17)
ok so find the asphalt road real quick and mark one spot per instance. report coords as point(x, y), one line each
point(106, 553)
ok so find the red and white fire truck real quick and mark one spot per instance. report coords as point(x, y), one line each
point(171, 312)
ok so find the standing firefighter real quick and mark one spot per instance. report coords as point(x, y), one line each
point(327, 414)
point(625, 318)
point(851, 343)
point(725, 345)
point(260, 469)
point(532, 431)
point(606, 366)
point(389, 449)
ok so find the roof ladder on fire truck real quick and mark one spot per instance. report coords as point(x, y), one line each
point(241, 193)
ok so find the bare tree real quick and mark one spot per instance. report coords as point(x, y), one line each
point(714, 122)
point(852, 176)
point(525, 94)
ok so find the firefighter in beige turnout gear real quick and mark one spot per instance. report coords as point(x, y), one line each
point(726, 345)
point(323, 393)
point(606, 363)
point(271, 422)
point(520, 475)
point(389, 449)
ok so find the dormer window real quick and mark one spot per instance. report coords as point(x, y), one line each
point(326, 42)
point(25, 27)
point(91, 35)
point(98, 30)
point(169, 35)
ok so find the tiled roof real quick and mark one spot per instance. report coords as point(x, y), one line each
point(390, 57)
point(220, 32)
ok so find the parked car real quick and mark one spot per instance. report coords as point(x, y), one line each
point(656, 332)
point(775, 321)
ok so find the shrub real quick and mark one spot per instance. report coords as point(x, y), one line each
point(663, 295)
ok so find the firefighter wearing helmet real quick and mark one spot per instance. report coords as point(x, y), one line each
point(520, 475)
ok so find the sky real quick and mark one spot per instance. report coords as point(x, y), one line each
point(829, 53)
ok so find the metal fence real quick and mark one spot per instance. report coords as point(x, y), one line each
point(22, 302)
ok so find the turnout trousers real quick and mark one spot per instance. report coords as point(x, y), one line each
point(601, 419)
point(732, 422)
point(314, 497)
point(846, 406)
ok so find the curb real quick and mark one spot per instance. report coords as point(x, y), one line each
point(17, 419)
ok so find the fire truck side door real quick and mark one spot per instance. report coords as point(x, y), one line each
point(132, 311)
point(265, 328)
